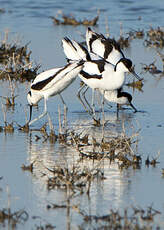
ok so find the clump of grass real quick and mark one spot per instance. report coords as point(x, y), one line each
point(12, 219)
point(15, 60)
point(10, 100)
point(8, 126)
point(162, 172)
point(136, 34)
point(70, 20)
point(124, 42)
point(151, 68)
point(134, 218)
point(136, 85)
point(24, 128)
point(137, 218)
point(117, 149)
point(155, 37)
point(153, 161)
point(29, 167)
point(75, 178)
point(2, 11)
point(43, 224)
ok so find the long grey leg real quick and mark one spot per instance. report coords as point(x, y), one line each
point(80, 89)
point(135, 110)
point(87, 103)
point(50, 123)
point(118, 107)
point(93, 103)
point(88, 110)
point(103, 114)
point(62, 100)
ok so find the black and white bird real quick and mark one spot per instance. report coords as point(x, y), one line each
point(120, 97)
point(106, 48)
point(98, 74)
point(50, 83)
point(100, 47)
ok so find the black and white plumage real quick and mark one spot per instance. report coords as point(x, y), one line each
point(120, 97)
point(99, 70)
point(106, 48)
point(50, 83)
point(104, 76)
point(109, 50)
point(98, 74)
point(98, 47)
point(74, 51)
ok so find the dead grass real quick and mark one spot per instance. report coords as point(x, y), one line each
point(136, 85)
point(15, 61)
point(12, 219)
point(70, 20)
point(155, 37)
point(137, 219)
point(74, 178)
point(132, 218)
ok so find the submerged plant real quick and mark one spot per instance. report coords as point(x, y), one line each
point(136, 219)
point(75, 178)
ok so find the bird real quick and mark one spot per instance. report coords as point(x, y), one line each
point(100, 47)
point(106, 48)
point(74, 51)
point(98, 74)
point(50, 83)
point(120, 97)
point(105, 76)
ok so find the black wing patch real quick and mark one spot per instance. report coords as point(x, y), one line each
point(89, 76)
point(108, 48)
point(41, 84)
point(88, 58)
point(100, 64)
point(124, 94)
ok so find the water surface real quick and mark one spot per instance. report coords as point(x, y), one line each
point(30, 21)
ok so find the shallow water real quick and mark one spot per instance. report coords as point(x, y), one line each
point(143, 187)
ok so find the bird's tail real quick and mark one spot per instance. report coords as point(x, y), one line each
point(93, 40)
point(74, 51)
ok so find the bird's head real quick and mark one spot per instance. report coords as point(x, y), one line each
point(126, 65)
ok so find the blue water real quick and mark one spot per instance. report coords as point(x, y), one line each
point(30, 21)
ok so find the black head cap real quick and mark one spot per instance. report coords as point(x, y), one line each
point(126, 62)
point(124, 94)
point(29, 93)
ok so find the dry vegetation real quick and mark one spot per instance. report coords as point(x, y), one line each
point(71, 20)
point(15, 61)
point(12, 219)
point(15, 64)
point(76, 179)
point(138, 219)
